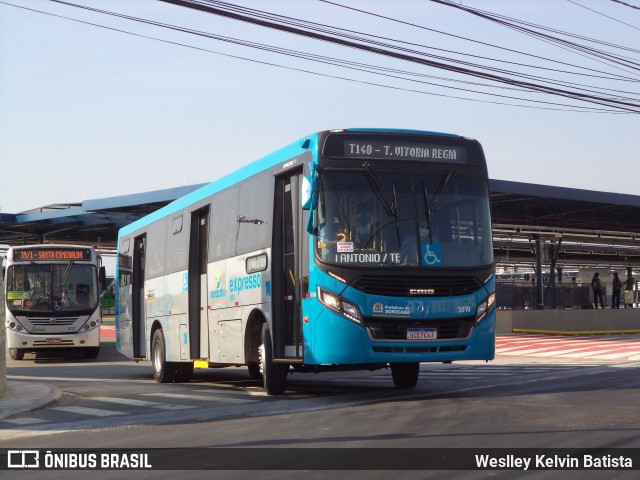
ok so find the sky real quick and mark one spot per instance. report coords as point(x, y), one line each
point(113, 107)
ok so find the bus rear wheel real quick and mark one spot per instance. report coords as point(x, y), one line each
point(405, 375)
point(163, 371)
point(16, 353)
point(274, 375)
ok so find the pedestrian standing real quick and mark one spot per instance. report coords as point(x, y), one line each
point(596, 286)
point(628, 290)
point(617, 287)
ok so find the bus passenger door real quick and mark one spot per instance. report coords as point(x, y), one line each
point(197, 284)
point(286, 270)
point(138, 316)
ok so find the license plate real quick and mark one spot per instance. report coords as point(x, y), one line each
point(422, 333)
point(53, 340)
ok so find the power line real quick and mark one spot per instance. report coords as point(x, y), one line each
point(626, 4)
point(603, 15)
point(516, 24)
point(566, 83)
point(338, 62)
point(220, 8)
point(577, 109)
point(479, 42)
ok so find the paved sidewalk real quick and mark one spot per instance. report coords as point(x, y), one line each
point(23, 397)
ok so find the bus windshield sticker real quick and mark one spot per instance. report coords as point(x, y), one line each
point(344, 247)
point(431, 254)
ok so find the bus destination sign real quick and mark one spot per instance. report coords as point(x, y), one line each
point(404, 150)
point(47, 254)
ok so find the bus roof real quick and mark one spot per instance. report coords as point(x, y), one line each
point(308, 143)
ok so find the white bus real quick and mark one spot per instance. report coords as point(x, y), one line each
point(52, 295)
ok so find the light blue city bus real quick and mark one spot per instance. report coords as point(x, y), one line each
point(356, 249)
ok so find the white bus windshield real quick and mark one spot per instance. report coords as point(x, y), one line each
point(369, 218)
point(51, 289)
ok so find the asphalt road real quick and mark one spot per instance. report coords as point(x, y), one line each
point(513, 402)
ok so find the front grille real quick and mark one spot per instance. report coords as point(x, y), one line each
point(423, 286)
point(401, 350)
point(62, 343)
point(394, 329)
point(58, 321)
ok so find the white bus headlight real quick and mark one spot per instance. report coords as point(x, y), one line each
point(90, 324)
point(340, 305)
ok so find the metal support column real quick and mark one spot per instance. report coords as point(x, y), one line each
point(539, 282)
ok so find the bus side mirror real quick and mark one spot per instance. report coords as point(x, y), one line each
point(307, 193)
point(102, 278)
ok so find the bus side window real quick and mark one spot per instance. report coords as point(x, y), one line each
point(255, 209)
point(224, 224)
point(177, 248)
point(155, 254)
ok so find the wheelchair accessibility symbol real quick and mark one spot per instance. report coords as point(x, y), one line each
point(432, 254)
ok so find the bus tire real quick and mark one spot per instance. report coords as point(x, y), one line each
point(405, 375)
point(16, 353)
point(184, 372)
point(163, 371)
point(274, 375)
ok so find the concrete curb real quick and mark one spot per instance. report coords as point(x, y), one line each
point(24, 397)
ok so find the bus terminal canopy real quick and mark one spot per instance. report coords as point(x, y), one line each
point(578, 227)
point(91, 222)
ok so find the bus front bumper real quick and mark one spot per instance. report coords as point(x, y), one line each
point(339, 341)
point(88, 338)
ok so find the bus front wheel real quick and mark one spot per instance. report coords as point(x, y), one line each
point(274, 375)
point(405, 375)
point(16, 353)
point(163, 371)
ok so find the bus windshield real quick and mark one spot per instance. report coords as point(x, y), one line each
point(370, 218)
point(50, 289)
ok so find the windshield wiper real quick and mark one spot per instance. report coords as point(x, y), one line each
point(431, 207)
point(427, 210)
point(435, 201)
point(391, 207)
point(396, 211)
point(377, 188)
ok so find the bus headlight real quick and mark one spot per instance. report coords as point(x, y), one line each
point(329, 299)
point(14, 326)
point(90, 325)
point(485, 307)
point(340, 305)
